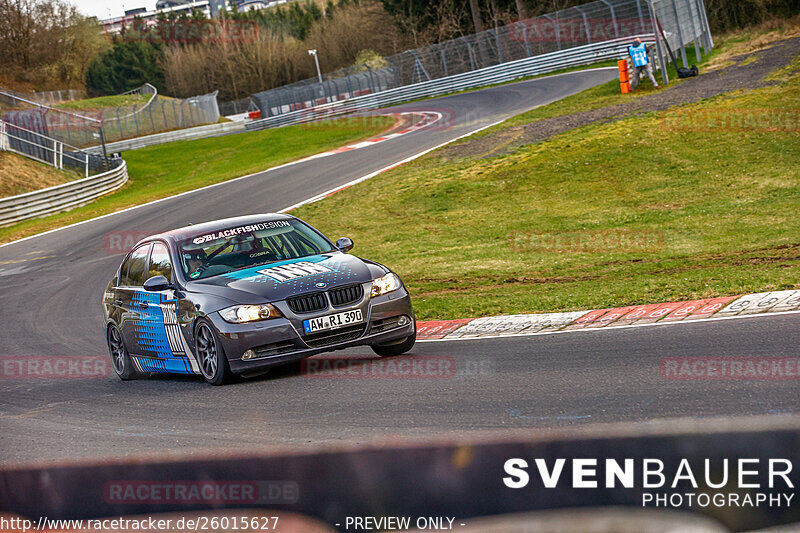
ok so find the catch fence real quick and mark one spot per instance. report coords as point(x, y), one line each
point(680, 22)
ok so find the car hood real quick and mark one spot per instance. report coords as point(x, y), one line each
point(282, 279)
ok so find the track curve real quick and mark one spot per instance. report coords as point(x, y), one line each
point(49, 305)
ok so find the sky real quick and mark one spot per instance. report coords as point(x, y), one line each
point(103, 9)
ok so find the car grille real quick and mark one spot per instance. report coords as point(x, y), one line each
point(346, 295)
point(326, 338)
point(308, 303)
point(278, 348)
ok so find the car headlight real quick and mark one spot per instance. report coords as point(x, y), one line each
point(239, 314)
point(388, 283)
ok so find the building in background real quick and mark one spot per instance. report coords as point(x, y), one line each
point(209, 8)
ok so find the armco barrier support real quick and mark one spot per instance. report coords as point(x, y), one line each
point(61, 197)
point(458, 477)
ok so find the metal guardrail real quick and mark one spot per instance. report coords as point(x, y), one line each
point(48, 150)
point(198, 132)
point(62, 197)
point(541, 64)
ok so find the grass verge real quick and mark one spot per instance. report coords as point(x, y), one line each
point(160, 171)
point(596, 217)
point(19, 175)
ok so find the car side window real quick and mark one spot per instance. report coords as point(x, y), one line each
point(160, 263)
point(136, 265)
point(123, 272)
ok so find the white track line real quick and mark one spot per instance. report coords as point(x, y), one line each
point(606, 328)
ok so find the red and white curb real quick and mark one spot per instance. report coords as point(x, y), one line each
point(427, 118)
point(629, 316)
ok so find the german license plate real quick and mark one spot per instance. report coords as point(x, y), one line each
point(339, 320)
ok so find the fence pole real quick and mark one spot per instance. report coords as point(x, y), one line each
point(695, 40)
point(499, 46)
point(641, 16)
point(444, 60)
point(103, 142)
point(556, 29)
point(585, 24)
point(701, 21)
point(680, 34)
point(525, 38)
point(471, 56)
point(657, 35)
point(708, 28)
point(613, 17)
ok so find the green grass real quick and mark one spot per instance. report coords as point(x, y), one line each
point(606, 94)
point(105, 101)
point(167, 169)
point(719, 209)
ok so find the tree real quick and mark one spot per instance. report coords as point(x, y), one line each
point(47, 43)
point(128, 65)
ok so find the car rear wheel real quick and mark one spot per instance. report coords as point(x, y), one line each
point(395, 348)
point(213, 362)
point(120, 358)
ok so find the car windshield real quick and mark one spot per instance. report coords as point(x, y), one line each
point(228, 249)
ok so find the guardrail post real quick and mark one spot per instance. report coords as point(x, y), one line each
point(3, 136)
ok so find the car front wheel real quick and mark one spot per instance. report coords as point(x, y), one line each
point(395, 348)
point(120, 358)
point(213, 362)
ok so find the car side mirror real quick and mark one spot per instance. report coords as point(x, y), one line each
point(157, 283)
point(344, 244)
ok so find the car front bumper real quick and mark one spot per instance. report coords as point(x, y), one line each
point(281, 340)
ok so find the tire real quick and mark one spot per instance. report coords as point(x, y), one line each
point(395, 348)
point(211, 356)
point(120, 358)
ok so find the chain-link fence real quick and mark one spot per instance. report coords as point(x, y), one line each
point(237, 107)
point(56, 97)
point(94, 126)
point(682, 22)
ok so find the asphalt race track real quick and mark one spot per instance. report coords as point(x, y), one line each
point(50, 289)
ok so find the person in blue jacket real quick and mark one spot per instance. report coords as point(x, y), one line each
point(641, 63)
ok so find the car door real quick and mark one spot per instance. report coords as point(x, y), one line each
point(165, 338)
point(132, 278)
